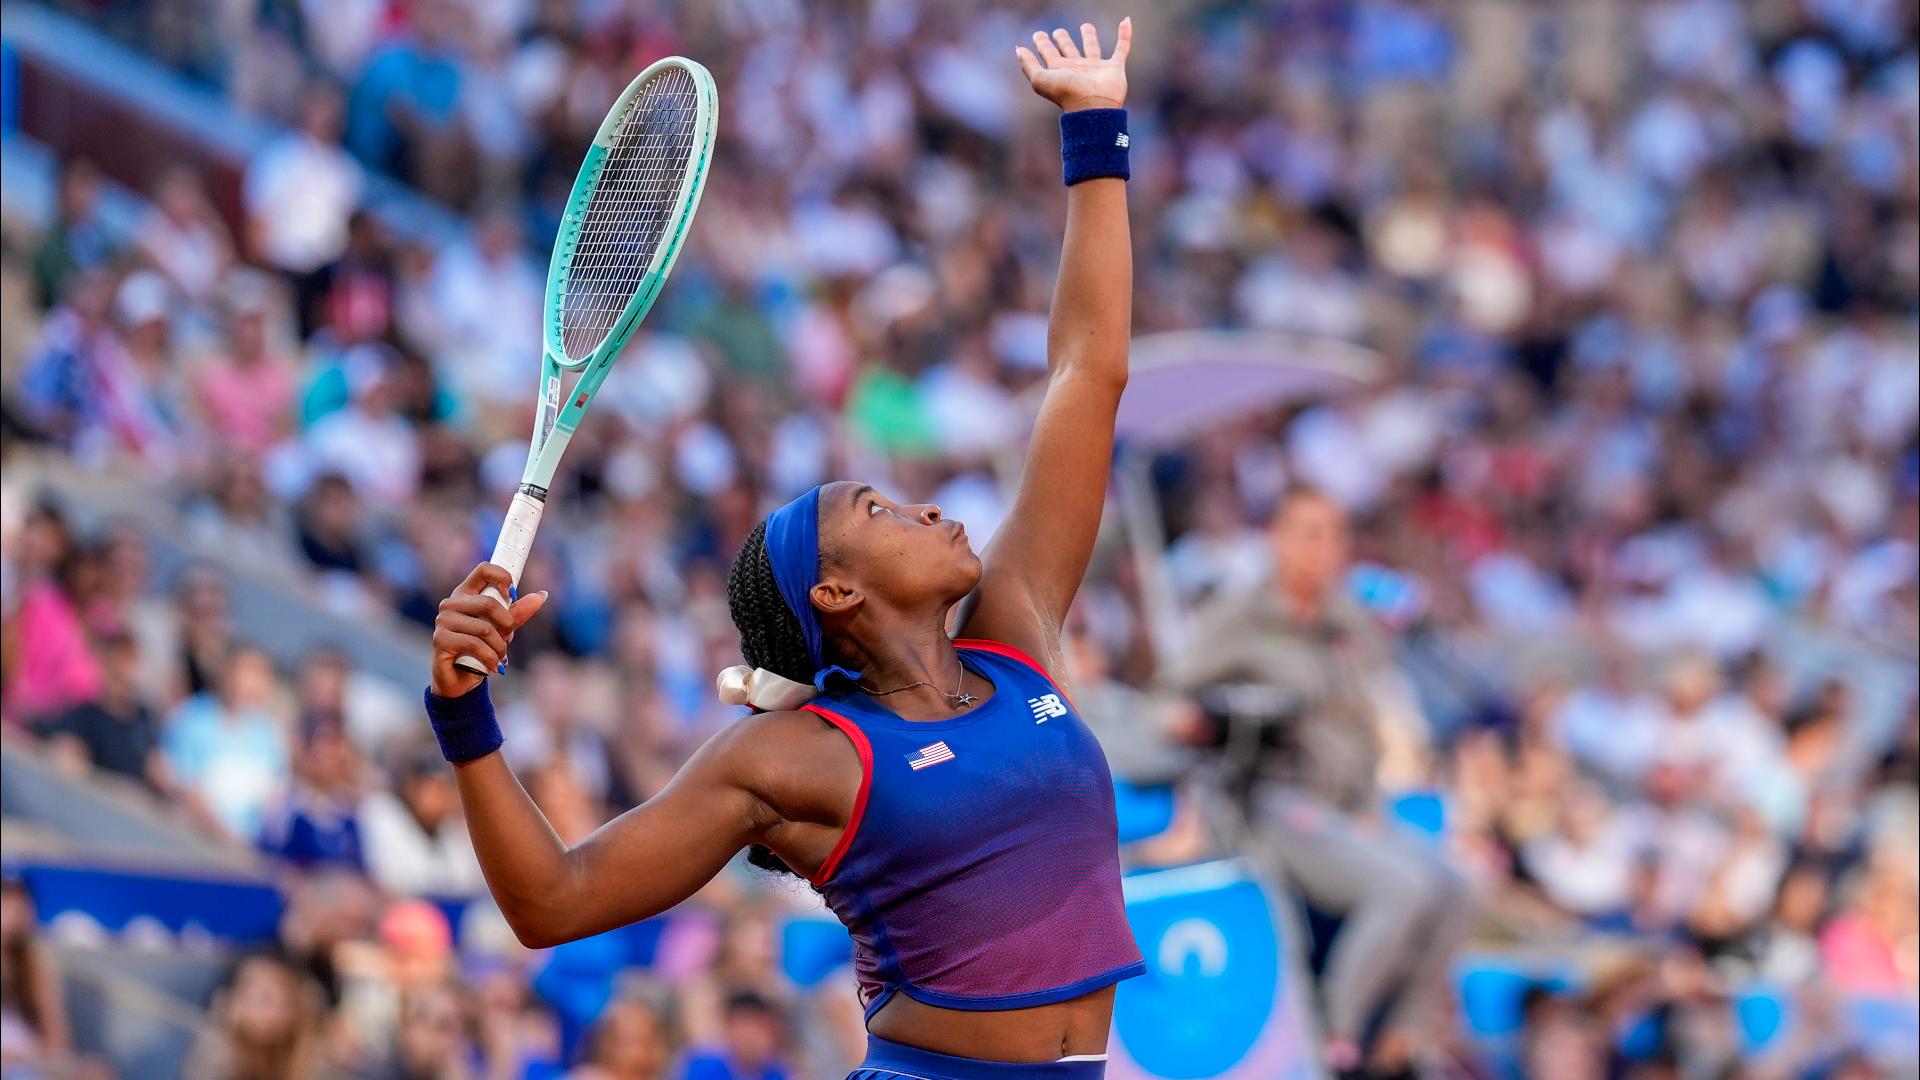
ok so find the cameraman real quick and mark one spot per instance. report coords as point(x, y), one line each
point(1290, 676)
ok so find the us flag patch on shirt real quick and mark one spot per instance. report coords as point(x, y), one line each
point(930, 755)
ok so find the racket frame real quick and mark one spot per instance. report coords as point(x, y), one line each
point(560, 409)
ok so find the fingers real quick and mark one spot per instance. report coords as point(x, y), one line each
point(450, 642)
point(523, 609)
point(1123, 40)
point(482, 576)
point(485, 608)
point(1089, 41)
point(1064, 41)
point(1029, 63)
point(1044, 45)
point(474, 627)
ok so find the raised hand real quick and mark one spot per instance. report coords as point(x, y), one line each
point(1076, 76)
point(473, 624)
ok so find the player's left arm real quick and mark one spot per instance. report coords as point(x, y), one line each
point(1039, 555)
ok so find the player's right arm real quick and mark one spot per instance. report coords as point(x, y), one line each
point(782, 779)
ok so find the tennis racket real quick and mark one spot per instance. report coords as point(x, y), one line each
point(624, 225)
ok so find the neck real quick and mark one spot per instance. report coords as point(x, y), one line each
point(910, 650)
point(1302, 596)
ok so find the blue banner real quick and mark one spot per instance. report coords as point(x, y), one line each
point(1221, 997)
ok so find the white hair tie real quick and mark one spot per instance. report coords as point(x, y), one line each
point(761, 689)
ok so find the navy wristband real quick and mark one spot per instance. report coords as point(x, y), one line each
point(464, 725)
point(1093, 144)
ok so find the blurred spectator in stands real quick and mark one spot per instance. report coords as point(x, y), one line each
point(747, 962)
point(367, 442)
point(117, 733)
point(34, 1036)
point(630, 1041)
point(329, 523)
point(432, 1041)
point(238, 516)
point(405, 106)
point(1872, 946)
point(329, 912)
point(184, 238)
point(1559, 1039)
point(50, 664)
point(246, 390)
point(190, 647)
point(546, 726)
point(355, 293)
point(300, 190)
point(228, 749)
point(314, 822)
point(76, 240)
point(387, 984)
point(58, 390)
point(1588, 862)
point(516, 1034)
point(145, 409)
point(267, 1018)
point(1312, 809)
point(415, 841)
point(486, 298)
point(752, 1043)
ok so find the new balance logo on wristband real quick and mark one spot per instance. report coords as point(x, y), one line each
point(1121, 140)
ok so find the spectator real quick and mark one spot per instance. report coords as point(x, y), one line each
point(300, 190)
point(246, 392)
point(753, 1037)
point(1311, 815)
point(77, 240)
point(34, 1035)
point(266, 1025)
point(314, 824)
point(367, 441)
point(227, 748)
point(117, 733)
point(184, 238)
point(50, 666)
point(414, 840)
point(629, 1042)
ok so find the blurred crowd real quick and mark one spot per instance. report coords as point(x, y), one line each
point(1642, 275)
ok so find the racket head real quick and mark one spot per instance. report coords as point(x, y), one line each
point(627, 217)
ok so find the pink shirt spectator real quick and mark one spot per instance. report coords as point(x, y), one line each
point(54, 668)
point(247, 404)
point(1860, 958)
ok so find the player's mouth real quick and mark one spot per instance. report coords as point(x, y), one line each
point(959, 531)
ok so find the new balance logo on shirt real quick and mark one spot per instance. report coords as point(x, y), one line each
point(930, 755)
point(1047, 707)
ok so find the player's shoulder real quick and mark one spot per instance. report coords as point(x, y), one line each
point(786, 736)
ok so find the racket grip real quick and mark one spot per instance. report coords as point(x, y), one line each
point(511, 549)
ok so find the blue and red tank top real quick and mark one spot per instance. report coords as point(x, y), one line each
point(980, 869)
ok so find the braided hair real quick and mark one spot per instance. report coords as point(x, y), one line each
point(770, 637)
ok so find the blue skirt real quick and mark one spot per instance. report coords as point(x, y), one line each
point(892, 1061)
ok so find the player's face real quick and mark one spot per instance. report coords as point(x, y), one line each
point(905, 553)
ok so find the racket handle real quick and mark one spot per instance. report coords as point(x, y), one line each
point(511, 550)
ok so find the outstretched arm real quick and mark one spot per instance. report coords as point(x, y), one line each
point(1037, 558)
point(773, 777)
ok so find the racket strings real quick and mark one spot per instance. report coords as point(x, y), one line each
point(635, 197)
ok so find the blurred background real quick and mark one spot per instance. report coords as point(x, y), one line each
point(1504, 636)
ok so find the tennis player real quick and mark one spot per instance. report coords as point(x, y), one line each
point(939, 792)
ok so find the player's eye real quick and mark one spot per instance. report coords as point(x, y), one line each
point(874, 508)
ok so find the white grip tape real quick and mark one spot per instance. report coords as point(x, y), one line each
point(510, 553)
point(516, 534)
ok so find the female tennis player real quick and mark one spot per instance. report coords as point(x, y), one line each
point(939, 792)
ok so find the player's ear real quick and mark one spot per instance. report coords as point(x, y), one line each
point(835, 597)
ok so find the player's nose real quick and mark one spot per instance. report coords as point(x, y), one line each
point(929, 514)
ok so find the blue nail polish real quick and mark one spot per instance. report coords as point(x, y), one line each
point(513, 592)
point(501, 668)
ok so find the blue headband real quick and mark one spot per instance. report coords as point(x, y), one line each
point(793, 550)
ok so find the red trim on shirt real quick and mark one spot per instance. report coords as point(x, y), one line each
point(865, 749)
point(1001, 648)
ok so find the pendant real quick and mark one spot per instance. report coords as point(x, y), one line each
point(965, 701)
